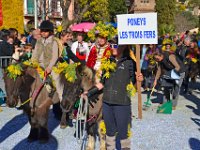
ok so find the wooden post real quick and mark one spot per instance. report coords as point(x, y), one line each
point(139, 83)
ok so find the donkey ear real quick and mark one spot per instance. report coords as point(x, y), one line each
point(80, 68)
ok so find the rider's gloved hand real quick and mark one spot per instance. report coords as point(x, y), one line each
point(92, 91)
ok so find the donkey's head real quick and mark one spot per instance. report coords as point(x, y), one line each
point(12, 87)
point(72, 91)
point(18, 87)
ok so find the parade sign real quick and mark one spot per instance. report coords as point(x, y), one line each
point(13, 14)
point(1, 15)
point(137, 28)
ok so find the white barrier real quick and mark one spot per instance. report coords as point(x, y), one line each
point(4, 62)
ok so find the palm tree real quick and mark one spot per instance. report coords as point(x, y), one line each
point(164, 29)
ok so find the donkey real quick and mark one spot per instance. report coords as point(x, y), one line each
point(86, 79)
point(21, 89)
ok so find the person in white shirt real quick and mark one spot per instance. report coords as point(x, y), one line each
point(80, 48)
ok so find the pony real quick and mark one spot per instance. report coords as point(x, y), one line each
point(85, 80)
point(20, 90)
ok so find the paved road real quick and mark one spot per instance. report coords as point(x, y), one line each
point(179, 131)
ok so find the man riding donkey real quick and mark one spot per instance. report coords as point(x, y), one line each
point(47, 52)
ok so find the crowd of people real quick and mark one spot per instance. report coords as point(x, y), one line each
point(169, 65)
point(179, 54)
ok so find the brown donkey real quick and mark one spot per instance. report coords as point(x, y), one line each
point(21, 89)
point(86, 79)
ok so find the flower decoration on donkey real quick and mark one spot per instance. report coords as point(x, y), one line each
point(69, 70)
point(14, 70)
point(35, 65)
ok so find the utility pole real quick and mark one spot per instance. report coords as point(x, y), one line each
point(35, 14)
point(199, 18)
point(44, 10)
point(128, 4)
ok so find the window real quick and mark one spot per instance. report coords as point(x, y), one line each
point(30, 6)
point(55, 7)
point(144, 1)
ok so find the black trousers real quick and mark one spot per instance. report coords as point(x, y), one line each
point(117, 118)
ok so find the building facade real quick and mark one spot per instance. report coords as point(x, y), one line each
point(142, 6)
point(50, 10)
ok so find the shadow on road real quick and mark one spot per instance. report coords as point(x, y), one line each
point(195, 100)
point(13, 126)
point(194, 143)
point(52, 143)
point(25, 145)
point(196, 121)
point(18, 122)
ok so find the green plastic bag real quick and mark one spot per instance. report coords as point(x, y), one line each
point(165, 108)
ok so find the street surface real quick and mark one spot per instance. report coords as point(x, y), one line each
point(179, 131)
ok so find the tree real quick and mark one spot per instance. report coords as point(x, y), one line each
point(65, 7)
point(116, 7)
point(166, 10)
point(165, 29)
point(185, 21)
point(85, 10)
point(196, 3)
point(97, 10)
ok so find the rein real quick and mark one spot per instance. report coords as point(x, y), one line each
point(81, 119)
point(36, 93)
point(29, 99)
point(25, 102)
point(94, 116)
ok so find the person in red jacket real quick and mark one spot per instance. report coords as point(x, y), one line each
point(101, 48)
point(98, 51)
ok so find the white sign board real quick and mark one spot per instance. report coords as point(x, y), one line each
point(137, 28)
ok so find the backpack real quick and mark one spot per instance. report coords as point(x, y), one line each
point(179, 61)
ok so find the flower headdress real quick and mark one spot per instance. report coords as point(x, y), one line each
point(168, 42)
point(103, 30)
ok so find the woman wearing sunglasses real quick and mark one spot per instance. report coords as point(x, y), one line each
point(116, 102)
